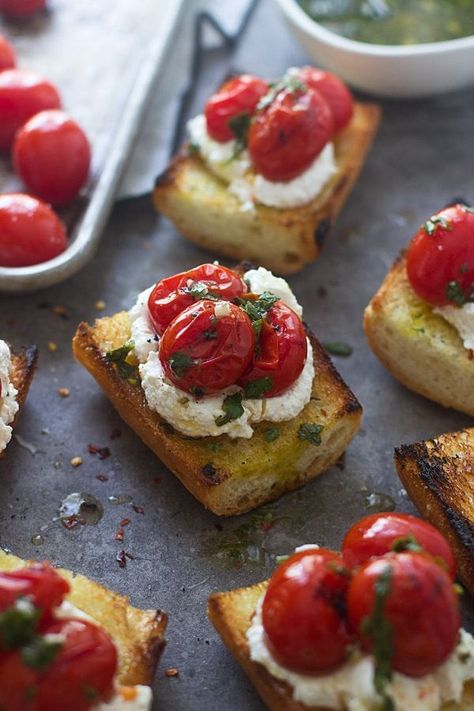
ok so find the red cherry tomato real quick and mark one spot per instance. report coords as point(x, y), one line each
point(202, 352)
point(286, 137)
point(239, 95)
point(21, 8)
point(7, 54)
point(43, 586)
point(52, 156)
point(418, 603)
point(334, 91)
point(303, 611)
point(30, 231)
point(81, 673)
point(440, 259)
point(377, 534)
point(282, 350)
point(22, 94)
point(174, 294)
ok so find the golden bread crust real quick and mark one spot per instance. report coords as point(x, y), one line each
point(283, 240)
point(21, 375)
point(228, 476)
point(138, 634)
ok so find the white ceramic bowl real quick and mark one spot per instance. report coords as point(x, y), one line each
point(398, 71)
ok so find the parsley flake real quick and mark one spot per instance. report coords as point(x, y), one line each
point(41, 651)
point(258, 388)
point(454, 293)
point(436, 221)
point(271, 434)
point(18, 624)
point(120, 357)
point(406, 543)
point(338, 348)
point(311, 432)
point(199, 290)
point(180, 363)
point(239, 125)
point(233, 409)
point(257, 309)
point(288, 83)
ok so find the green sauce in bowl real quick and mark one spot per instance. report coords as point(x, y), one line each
point(394, 22)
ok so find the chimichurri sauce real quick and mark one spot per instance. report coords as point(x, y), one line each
point(394, 21)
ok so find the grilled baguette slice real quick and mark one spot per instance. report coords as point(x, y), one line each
point(438, 475)
point(417, 346)
point(228, 476)
point(21, 375)
point(283, 240)
point(138, 634)
point(231, 614)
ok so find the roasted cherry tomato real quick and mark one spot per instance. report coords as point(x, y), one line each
point(30, 231)
point(333, 90)
point(172, 295)
point(7, 54)
point(239, 95)
point(380, 533)
point(207, 347)
point(303, 611)
point(404, 607)
point(22, 94)
point(40, 583)
point(281, 352)
point(286, 137)
point(21, 9)
point(440, 259)
point(82, 672)
point(52, 156)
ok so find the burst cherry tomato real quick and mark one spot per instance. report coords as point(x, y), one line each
point(30, 232)
point(418, 602)
point(303, 611)
point(21, 9)
point(281, 352)
point(7, 54)
point(207, 347)
point(172, 295)
point(334, 91)
point(286, 137)
point(440, 259)
point(239, 95)
point(43, 586)
point(52, 156)
point(380, 533)
point(22, 94)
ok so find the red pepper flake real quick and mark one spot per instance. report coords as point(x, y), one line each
point(72, 521)
point(171, 672)
point(102, 452)
point(121, 558)
point(138, 509)
point(119, 534)
point(115, 434)
point(102, 477)
point(267, 525)
point(125, 522)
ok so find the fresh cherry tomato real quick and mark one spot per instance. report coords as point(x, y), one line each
point(239, 95)
point(21, 9)
point(207, 347)
point(174, 294)
point(286, 137)
point(440, 258)
point(22, 94)
point(43, 586)
point(30, 231)
point(281, 352)
point(7, 54)
point(380, 533)
point(52, 155)
point(303, 611)
point(333, 90)
point(82, 672)
point(419, 605)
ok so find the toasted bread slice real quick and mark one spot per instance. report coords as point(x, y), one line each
point(438, 475)
point(419, 348)
point(138, 634)
point(231, 614)
point(21, 375)
point(228, 476)
point(283, 240)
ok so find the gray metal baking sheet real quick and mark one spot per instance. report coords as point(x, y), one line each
point(421, 158)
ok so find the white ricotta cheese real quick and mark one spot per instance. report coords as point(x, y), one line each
point(219, 157)
point(462, 318)
point(351, 686)
point(143, 334)
point(8, 403)
point(261, 280)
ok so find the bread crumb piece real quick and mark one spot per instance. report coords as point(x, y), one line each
point(76, 461)
point(171, 671)
point(52, 346)
point(64, 392)
point(100, 305)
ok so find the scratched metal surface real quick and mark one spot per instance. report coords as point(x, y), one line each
point(421, 158)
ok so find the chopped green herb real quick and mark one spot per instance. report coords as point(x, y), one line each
point(257, 309)
point(281, 559)
point(213, 447)
point(436, 221)
point(199, 290)
point(233, 409)
point(290, 83)
point(406, 543)
point(258, 388)
point(118, 356)
point(271, 434)
point(311, 432)
point(18, 624)
point(458, 589)
point(193, 149)
point(337, 348)
point(180, 363)
point(454, 293)
point(464, 657)
point(197, 392)
point(339, 569)
point(41, 651)
point(239, 125)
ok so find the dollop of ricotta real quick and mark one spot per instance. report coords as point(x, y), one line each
point(351, 686)
point(235, 168)
point(262, 279)
point(8, 402)
point(462, 318)
point(143, 334)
